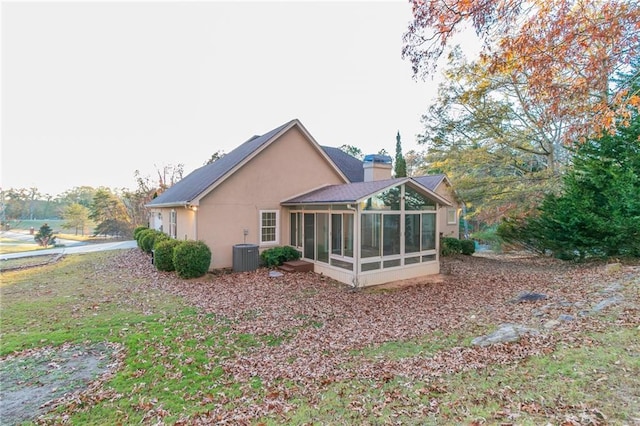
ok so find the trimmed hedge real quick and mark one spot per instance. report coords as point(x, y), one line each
point(191, 259)
point(163, 254)
point(140, 234)
point(450, 246)
point(276, 256)
point(468, 247)
point(149, 238)
point(138, 230)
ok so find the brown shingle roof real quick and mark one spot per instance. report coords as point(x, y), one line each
point(345, 193)
point(355, 192)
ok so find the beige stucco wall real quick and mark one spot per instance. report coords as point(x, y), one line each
point(290, 166)
point(185, 221)
point(448, 230)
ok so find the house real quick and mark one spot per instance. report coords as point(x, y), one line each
point(350, 218)
point(449, 216)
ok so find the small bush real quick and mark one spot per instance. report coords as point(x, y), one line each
point(141, 234)
point(276, 256)
point(467, 247)
point(191, 259)
point(137, 230)
point(450, 246)
point(149, 239)
point(163, 254)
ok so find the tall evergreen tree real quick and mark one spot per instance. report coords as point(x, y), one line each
point(598, 212)
point(400, 169)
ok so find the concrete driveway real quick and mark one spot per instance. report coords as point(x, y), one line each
point(70, 247)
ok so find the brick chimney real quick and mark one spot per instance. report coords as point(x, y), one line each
point(376, 167)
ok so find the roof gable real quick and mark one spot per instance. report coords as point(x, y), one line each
point(430, 181)
point(202, 180)
point(350, 166)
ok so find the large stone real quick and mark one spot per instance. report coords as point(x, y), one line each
point(529, 297)
point(551, 324)
point(505, 333)
point(606, 303)
point(612, 288)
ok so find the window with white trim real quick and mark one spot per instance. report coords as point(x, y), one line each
point(173, 224)
point(451, 217)
point(269, 226)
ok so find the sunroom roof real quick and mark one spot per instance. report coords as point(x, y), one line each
point(355, 192)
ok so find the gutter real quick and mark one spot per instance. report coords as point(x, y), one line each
point(163, 205)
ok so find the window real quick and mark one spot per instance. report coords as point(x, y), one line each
point(309, 235)
point(268, 227)
point(296, 229)
point(451, 217)
point(342, 234)
point(413, 200)
point(322, 237)
point(419, 232)
point(347, 239)
point(386, 200)
point(370, 235)
point(428, 231)
point(173, 225)
point(336, 234)
point(391, 235)
point(412, 233)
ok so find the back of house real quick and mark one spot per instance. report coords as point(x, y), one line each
point(283, 188)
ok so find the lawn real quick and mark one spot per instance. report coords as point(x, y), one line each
point(301, 349)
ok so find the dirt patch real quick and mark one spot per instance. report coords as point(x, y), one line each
point(33, 380)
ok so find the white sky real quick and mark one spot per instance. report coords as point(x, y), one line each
point(93, 91)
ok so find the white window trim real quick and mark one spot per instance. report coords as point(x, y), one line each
point(455, 217)
point(260, 226)
point(173, 224)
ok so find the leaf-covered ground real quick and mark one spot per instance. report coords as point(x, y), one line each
point(303, 349)
point(325, 333)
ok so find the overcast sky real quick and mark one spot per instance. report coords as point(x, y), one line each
point(93, 91)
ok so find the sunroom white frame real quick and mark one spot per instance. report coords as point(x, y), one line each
point(336, 265)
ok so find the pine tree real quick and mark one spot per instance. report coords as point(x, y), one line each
point(400, 169)
point(598, 212)
point(44, 236)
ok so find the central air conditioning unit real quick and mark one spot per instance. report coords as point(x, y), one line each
point(246, 257)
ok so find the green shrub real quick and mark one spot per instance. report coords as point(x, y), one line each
point(191, 259)
point(141, 234)
point(467, 247)
point(276, 256)
point(148, 240)
point(450, 246)
point(137, 230)
point(163, 254)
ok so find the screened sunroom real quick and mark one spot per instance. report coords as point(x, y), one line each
point(368, 233)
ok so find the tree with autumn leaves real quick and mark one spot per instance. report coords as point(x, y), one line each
point(597, 214)
point(555, 83)
point(490, 137)
point(567, 50)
